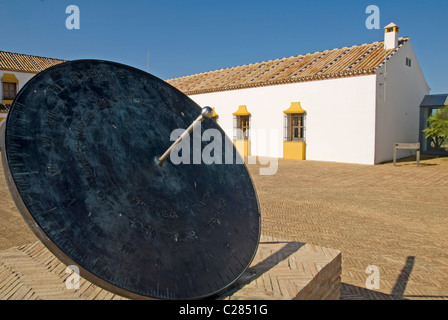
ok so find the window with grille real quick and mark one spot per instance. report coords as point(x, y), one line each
point(242, 126)
point(9, 90)
point(294, 127)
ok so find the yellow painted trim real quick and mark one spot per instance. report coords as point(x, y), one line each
point(242, 146)
point(214, 113)
point(294, 108)
point(242, 111)
point(392, 29)
point(294, 150)
point(9, 102)
point(9, 77)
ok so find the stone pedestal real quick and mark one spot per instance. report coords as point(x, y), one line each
point(285, 270)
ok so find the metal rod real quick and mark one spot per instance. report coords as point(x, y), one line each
point(206, 112)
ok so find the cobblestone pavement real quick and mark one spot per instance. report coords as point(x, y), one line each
point(395, 218)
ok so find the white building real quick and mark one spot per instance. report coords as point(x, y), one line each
point(15, 70)
point(344, 105)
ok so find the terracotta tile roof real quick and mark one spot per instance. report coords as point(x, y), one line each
point(22, 62)
point(343, 62)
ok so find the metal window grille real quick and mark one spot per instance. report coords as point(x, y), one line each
point(294, 127)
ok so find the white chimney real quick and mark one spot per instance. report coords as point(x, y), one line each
point(391, 36)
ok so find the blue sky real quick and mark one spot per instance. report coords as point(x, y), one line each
point(191, 36)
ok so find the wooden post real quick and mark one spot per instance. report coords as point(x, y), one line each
point(418, 157)
point(395, 154)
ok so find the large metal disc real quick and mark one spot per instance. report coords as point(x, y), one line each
point(78, 153)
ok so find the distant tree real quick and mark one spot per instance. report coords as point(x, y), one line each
point(437, 129)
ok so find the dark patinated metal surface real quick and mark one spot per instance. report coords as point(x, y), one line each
point(78, 151)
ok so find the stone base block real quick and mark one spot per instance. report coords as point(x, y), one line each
point(285, 270)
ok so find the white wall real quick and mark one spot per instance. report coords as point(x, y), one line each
point(398, 103)
point(340, 119)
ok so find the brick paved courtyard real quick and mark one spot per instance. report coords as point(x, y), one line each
point(395, 218)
